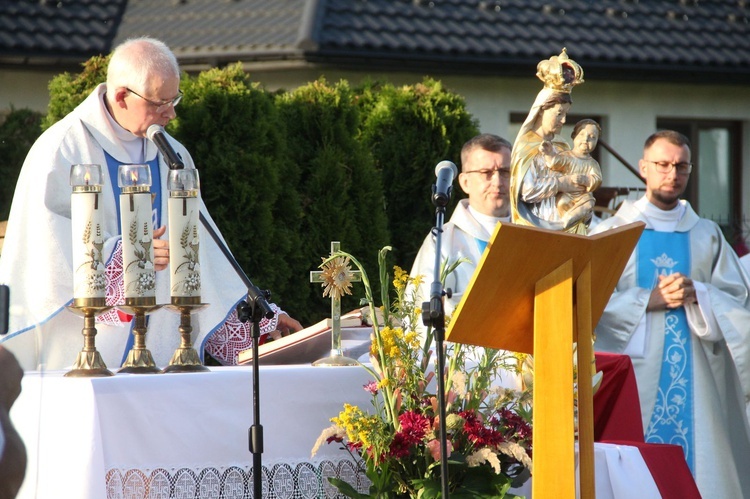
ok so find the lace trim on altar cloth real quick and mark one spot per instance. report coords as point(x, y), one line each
point(280, 481)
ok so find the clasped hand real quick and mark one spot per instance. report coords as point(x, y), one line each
point(673, 291)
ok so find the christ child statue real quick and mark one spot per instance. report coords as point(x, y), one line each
point(576, 207)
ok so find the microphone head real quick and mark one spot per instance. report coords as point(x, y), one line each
point(153, 130)
point(446, 164)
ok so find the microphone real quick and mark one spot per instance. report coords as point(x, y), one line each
point(155, 134)
point(441, 191)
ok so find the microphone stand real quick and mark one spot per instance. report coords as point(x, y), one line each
point(433, 314)
point(254, 309)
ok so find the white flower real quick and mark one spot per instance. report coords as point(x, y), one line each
point(484, 455)
point(459, 383)
point(517, 452)
point(332, 431)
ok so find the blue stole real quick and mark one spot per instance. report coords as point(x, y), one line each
point(113, 167)
point(482, 245)
point(664, 253)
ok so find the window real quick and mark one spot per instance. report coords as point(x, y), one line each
point(715, 187)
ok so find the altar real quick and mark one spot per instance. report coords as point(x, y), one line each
point(186, 435)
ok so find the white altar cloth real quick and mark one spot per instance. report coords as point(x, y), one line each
point(186, 435)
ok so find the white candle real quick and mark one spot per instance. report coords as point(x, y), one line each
point(184, 241)
point(139, 274)
point(86, 213)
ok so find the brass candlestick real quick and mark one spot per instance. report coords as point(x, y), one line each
point(139, 360)
point(185, 359)
point(89, 362)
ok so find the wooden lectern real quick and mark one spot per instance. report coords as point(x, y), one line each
point(537, 291)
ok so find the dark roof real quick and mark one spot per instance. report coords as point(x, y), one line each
point(617, 39)
point(57, 33)
point(675, 40)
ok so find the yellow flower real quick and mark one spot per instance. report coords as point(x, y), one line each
point(400, 278)
point(337, 277)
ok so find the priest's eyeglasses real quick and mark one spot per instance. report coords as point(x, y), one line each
point(666, 167)
point(160, 106)
point(487, 174)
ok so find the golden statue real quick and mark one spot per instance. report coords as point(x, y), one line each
point(534, 186)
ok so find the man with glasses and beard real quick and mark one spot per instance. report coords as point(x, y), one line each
point(681, 312)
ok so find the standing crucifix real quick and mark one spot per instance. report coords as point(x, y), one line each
point(336, 277)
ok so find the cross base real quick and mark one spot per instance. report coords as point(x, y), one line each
point(335, 359)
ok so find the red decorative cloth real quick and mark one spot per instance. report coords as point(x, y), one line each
point(617, 408)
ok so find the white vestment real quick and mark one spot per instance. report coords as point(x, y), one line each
point(463, 237)
point(720, 343)
point(36, 260)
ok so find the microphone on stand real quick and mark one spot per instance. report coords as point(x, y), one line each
point(445, 171)
point(155, 134)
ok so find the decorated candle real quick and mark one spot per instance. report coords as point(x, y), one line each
point(184, 242)
point(139, 275)
point(86, 216)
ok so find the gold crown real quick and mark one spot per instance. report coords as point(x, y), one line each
point(560, 72)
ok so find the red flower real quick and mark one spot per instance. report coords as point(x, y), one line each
point(477, 433)
point(414, 426)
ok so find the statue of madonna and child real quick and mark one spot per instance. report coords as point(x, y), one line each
point(551, 184)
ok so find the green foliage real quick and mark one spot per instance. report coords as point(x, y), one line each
point(66, 91)
point(409, 130)
point(340, 190)
point(17, 133)
point(232, 129)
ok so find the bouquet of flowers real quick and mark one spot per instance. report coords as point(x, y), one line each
point(487, 427)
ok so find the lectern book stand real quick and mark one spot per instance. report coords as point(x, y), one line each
point(537, 291)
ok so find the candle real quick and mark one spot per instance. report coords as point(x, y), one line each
point(137, 231)
point(86, 215)
point(184, 242)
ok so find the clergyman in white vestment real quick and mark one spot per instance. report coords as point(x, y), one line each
point(681, 311)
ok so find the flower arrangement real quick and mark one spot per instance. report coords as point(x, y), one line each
point(398, 443)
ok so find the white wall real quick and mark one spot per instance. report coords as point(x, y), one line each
point(24, 89)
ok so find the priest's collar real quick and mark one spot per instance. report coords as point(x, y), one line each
point(134, 146)
point(487, 222)
point(663, 220)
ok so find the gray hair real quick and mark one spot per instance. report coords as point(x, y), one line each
point(137, 60)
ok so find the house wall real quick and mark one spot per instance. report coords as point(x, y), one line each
point(24, 89)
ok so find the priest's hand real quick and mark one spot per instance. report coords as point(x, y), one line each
point(161, 249)
point(287, 325)
point(673, 291)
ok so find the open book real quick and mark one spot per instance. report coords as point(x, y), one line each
point(312, 343)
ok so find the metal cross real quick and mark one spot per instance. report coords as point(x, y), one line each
point(337, 357)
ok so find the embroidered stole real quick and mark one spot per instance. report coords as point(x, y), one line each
point(664, 253)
